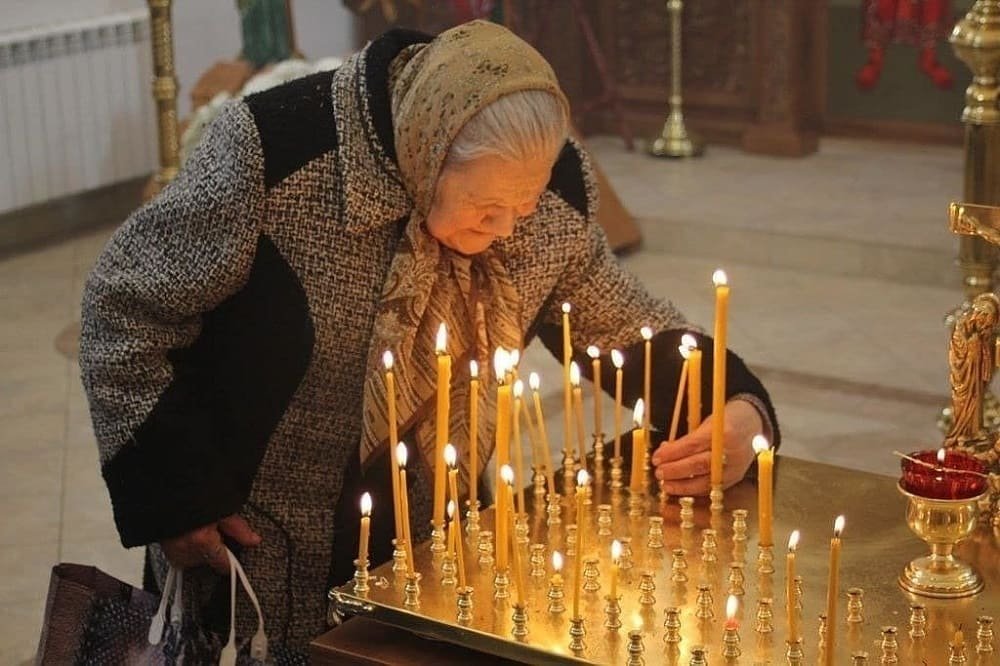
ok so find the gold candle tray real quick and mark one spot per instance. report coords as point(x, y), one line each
point(877, 544)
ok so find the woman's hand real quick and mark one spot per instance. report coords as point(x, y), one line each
point(204, 545)
point(685, 465)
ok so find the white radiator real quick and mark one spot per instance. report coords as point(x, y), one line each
point(76, 108)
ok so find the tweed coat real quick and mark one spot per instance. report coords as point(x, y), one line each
point(226, 328)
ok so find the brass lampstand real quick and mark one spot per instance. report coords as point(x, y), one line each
point(164, 92)
point(674, 139)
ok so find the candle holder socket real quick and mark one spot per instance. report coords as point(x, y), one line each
point(794, 656)
point(521, 529)
point(647, 586)
point(501, 585)
point(464, 604)
point(437, 540)
point(984, 634)
point(705, 605)
point(398, 556)
point(612, 613)
point(715, 496)
point(485, 548)
point(576, 633)
point(411, 590)
point(765, 616)
point(361, 587)
point(678, 568)
point(956, 655)
point(616, 473)
point(821, 630)
point(591, 575)
point(520, 619)
point(687, 512)
point(603, 520)
point(635, 649)
point(855, 606)
point(890, 646)
point(736, 579)
point(472, 518)
point(538, 480)
point(765, 560)
point(672, 625)
point(654, 538)
point(537, 560)
point(626, 561)
point(448, 570)
point(698, 656)
point(553, 510)
point(731, 643)
point(556, 596)
point(859, 658)
point(709, 546)
point(571, 540)
point(918, 621)
point(740, 524)
point(598, 450)
point(636, 504)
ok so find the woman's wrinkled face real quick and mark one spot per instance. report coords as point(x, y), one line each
point(480, 201)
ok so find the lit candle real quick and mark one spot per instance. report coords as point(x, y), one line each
point(390, 392)
point(404, 503)
point(694, 389)
point(595, 364)
point(518, 444)
point(616, 555)
point(638, 447)
point(443, 409)
point(574, 379)
point(618, 360)
point(518, 569)
point(537, 454)
point(567, 389)
point(793, 613)
point(500, 360)
point(502, 526)
point(581, 493)
point(647, 372)
point(687, 342)
point(366, 522)
point(451, 459)
point(765, 489)
point(833, 591)
point(451, 529)
point(557, 566)
point(719, 374)
point(732, 606)
point(473, 432)
point(535, 381)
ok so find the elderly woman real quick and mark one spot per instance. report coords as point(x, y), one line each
point(233, 327)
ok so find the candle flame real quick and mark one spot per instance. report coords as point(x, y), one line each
point(732, 605)
point(401, 454)
point(451, 509)
point(689, 340)
point(387, 359)
point(617, 359)
point(646, 332)
point(441, 343)
point(513, 358)
point(638, 412)
point(838, 526)
point(760, 444)
point(500, 361)
point(616, 550)
point(565, 308)
point(366, 504)
point(507, 474)
point(719, 278)
point(685, 351)
point(557, 561)
point(940, 456)
point(534, 381)
point(593, 352)
point(518, 389)
point(582, 478)
point(793, 541)
point(473, 369)
point(450, 455)
point(574, 373)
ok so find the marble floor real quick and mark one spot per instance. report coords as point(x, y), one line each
point(841, 272)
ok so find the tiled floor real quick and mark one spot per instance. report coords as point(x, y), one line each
point(856, 365)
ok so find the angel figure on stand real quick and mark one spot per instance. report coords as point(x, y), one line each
point(972, 360)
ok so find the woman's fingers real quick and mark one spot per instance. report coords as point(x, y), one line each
point(237, 528)
point(686, 446)
point(699, 485)
point(698, 464)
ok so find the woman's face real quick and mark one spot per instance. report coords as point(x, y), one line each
point(481, 200)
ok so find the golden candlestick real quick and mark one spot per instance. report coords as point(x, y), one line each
point(674, 139)
point(537, 560)
point(984, 634)
point(855, 606)
point(672, 625)
point(556, 594)
point(612, 613)
point(704, 603)
point(398, 556)
point(635, 649)
point(736, 579)
point(361, 587)
point(890, 646)
point(678, 569)
point(164, 91)
point(687, 512)
point(553, 510)
point(794, 656)
point(698, 656)
point(654, 538)
point(485, 549)
point(520, 619)
point(765, 616)
point(464, 604)
point(576, 633)
point(765, 560)
point(591, 575)
point(731, 638)
point(603, 520)
point(709, 546)
point(647, 586)
point(411, 590)
point(918, 621)
point(740, 524)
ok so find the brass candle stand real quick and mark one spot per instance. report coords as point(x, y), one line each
point(740, 525)
point(672, 625)
point(411, 590)
point(398, 556)
point(616, 473)
point(464, 604)
point(635, 649)
point(675, 140)
point(501, 585)
point(553, 510)
point(520, 620)
point(537, 560)
point(765, 559)
point(437, 540)
point(448, 570)
point(890, 646)
point(765, 616)
point(485, 549)
point(361, 587)
point(472, 519)
point(918, 621)
point(731, 643)
point(794, 656)
point(715, 496)
point(687, 512)
point(612, 613)
point(604, 520)
point(576, 633)
point(984, 634)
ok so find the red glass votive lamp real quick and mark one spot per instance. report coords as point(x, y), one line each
point(955, 477)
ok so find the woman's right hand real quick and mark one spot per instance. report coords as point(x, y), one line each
point(204, 545)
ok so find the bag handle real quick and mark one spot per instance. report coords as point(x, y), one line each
point(258, 644)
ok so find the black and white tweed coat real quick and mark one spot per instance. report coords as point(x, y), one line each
point(226, 329)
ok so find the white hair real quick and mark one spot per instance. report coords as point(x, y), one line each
point(519, 127)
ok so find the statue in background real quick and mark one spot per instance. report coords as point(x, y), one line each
point(267, 31)
point(972, 359)
point(917, 23)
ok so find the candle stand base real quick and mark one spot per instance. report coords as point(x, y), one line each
point(698, 656)
point(553, 510)
point(612, 613)
point(984, 634)
point(678, 568)
point(598, 451)
point(591, 575)
point(501, 586)
point(521, 529)
point(448, 570)
point(794, 655)
point(398, 556)
point(539, 487)
point(437, 540)
point(556, 597)
point(472, 519)
point(576, 634)
point(687, 512)
point(654, 538)
point(715, 497)
point(361, 587)
point(765, 560)
point(740, 525)
point(636, 505)
point(604, 520)
point(616, 473)
point(635, 649)
point(464, 604)
point(731, 644)
point(520, 619)
point(765, 616)
point(672, 625)
point(537, 560)
point(485, 548)
point(411, 591)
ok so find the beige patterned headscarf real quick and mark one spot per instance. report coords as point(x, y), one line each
point(436, 88)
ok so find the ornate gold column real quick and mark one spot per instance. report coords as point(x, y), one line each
point(674, 139)
point(164, 91)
